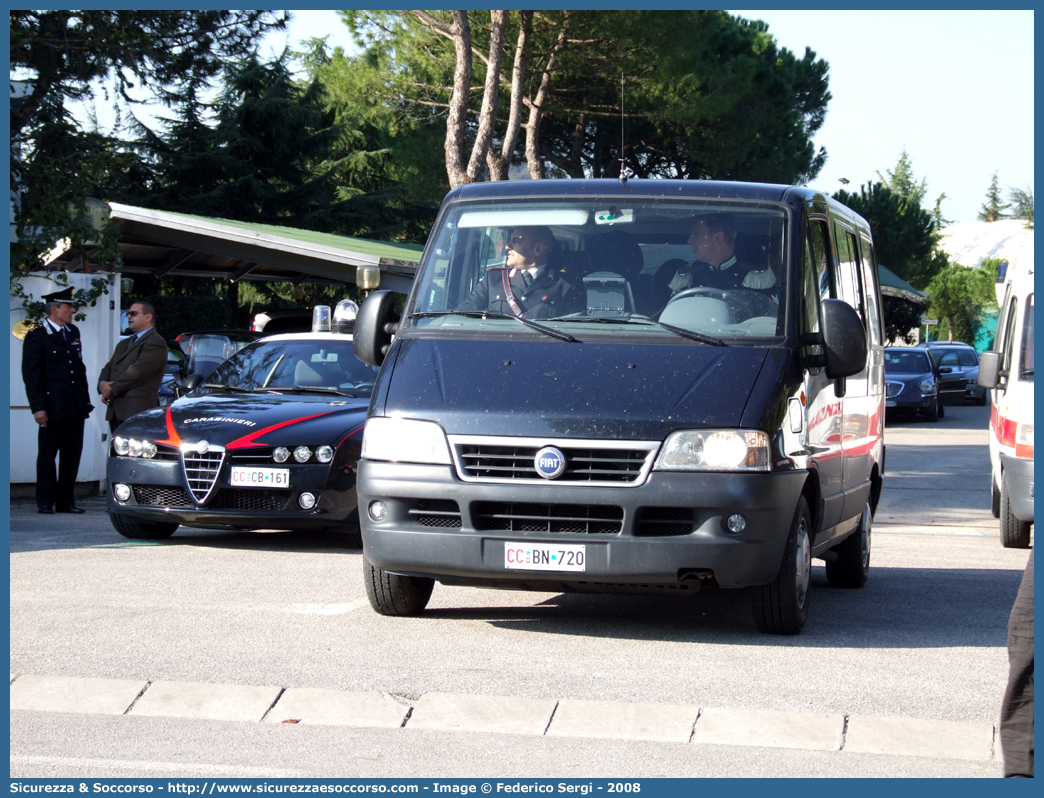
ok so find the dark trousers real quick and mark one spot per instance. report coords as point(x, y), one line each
point(113, 423)
point(1016, 724)
point(64, 440)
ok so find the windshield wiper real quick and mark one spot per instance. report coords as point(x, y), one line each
point(482, 314)
point(695, 336)
point(235, 388)
point(307, 389)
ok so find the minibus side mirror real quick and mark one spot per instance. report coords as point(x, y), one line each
point(374, 327)
point(989, 369)
point(844, 339)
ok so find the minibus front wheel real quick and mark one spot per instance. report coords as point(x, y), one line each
point(394, 594)
point(781, 607)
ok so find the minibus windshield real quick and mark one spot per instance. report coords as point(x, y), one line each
point(708, 271)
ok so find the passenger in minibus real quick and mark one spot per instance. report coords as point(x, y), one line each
point(717, 265)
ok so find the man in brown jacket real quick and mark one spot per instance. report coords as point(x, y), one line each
point(130, 381)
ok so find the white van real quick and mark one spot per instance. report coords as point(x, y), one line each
point(1009, 372)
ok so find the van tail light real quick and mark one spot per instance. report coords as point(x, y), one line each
point(1024, 441)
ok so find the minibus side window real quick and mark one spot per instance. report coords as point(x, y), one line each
point(816, 274)
point(1009, 334)
point(848, 277)
point(1026, 364)
point(870, 294)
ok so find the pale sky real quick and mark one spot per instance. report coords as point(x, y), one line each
point(954, 88)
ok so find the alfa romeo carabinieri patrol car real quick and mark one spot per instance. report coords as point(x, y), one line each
point(270, 440)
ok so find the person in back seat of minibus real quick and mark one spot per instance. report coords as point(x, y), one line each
point(527, 285)
point(713, 239)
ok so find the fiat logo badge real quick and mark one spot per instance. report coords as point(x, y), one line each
point(549, 462)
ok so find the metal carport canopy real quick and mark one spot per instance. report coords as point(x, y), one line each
point(162, 243)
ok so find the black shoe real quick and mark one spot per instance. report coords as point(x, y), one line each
point(45, 510)
point(72, 508)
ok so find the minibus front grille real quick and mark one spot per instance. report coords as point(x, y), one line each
point(662, 522)
point(436, 513)
point(531, 517)
point(607, 463)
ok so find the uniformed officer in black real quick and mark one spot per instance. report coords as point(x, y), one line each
point(713, 239)
point(56, 386)
point(527, 285)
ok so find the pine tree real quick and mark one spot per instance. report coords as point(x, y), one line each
point(902, 182)
point(993, 209)
point(1022, 202)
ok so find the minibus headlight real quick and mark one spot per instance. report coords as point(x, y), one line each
point(1024, 440)
point(714, 450)
point(401, 440)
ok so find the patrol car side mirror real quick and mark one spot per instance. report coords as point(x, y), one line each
point(192, 382)
point(374, 327)
point(989, 369)
point(844, 339)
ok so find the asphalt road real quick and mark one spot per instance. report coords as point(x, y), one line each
point(923, 641)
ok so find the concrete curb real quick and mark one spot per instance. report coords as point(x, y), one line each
point(666, 723)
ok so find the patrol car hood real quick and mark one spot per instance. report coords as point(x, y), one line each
point(558, 389)
point(245, 419)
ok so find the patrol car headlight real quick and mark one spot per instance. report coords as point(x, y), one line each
point(928, 386)
point(302, 453)
point(148, 450)
point(714, 450)
point(281, 454)
point(121, 445)
point(134, 447)
point(401, 440)
point(122, 492)
point(324, 454)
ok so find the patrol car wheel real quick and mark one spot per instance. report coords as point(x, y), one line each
point(141, 530)
point(392, 594)
point(1015, 534)
point(781, 607)
point(851, 567)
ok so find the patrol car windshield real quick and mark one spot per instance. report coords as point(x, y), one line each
point(328, 365)
point(606, 267)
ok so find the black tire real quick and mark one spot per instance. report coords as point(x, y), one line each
point(982, 400)
point(994, 498)
point(781, 607)
point(1015, 534)
point(392, 594)
point(932, 413)
point(851, 567)
point(141, 530)
point(942, 408)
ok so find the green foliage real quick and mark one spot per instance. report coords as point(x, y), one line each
point(993, 209)
point(1022, 204)
point(902, 181)
point(957, 296)
point(905, 235)
point(55, 163)
point(901, 318)
point(719, 100)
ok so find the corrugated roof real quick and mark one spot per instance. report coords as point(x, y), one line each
point(894, 285)
point(409, 253)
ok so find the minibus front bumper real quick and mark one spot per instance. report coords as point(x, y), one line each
point(672, 530)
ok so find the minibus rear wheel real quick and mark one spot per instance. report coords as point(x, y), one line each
point(851, 567)
point(393, 594)
point(1015, 534)
point(781, 607)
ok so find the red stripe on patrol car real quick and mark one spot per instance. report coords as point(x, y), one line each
point(173, 438)
point(248, 440)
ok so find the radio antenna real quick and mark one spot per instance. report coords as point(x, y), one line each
point(623, 160)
